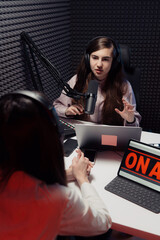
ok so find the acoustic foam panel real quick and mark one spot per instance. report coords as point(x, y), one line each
point(48, 24)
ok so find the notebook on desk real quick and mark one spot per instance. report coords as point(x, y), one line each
point(138, 177)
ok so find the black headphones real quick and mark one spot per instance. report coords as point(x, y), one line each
point(44, 103)
point(116, 53)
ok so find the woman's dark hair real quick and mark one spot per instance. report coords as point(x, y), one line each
point(114, 87)
point(29, 141)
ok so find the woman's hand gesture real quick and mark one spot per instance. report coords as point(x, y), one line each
point(128, 111)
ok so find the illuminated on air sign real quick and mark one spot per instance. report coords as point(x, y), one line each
point(141, 163)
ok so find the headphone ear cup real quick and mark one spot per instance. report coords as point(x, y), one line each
point(118, 58)
point(48, 109)
point(116, 61)
point(87, 61)
point(115, 64)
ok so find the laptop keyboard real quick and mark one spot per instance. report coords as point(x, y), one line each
point(136, 193)
point(68, 129)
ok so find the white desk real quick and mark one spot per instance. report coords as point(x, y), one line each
point(126, 216)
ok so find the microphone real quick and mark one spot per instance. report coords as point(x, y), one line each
point(91, 96)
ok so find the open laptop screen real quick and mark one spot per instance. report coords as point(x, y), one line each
point(103, 137)
point(141, 163)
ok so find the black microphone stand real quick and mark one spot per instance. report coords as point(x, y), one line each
point(26, 39)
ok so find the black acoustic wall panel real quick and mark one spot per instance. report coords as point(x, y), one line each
point(48, 24)
point(135, 23)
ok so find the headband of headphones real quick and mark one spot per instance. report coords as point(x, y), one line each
point(116, 49)
point(43, 102)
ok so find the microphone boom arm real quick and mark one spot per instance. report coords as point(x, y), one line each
point(51, 68)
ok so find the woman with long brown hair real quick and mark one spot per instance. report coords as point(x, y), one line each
point(35, 201)
point(116, 104)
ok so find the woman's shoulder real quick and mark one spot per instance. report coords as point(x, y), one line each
point(72, 81)
point(127, 86)
point(25, 184)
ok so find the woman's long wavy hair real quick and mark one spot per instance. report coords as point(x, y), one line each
point(114, 87)
point(29, 141)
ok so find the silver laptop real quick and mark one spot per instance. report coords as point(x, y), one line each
point(101, 137)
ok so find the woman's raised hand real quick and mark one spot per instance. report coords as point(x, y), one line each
point(128, 111)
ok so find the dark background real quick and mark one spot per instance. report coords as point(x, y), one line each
point(62, 28)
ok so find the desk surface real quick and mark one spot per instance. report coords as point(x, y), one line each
point(126, 216)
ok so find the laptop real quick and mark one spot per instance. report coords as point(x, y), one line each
point(96, 137)
point(138, 177)
point(102, 137)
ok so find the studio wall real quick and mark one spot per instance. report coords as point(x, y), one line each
point(48, 24)
point(135, 23)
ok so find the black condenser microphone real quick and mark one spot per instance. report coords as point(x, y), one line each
point(91, 97)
